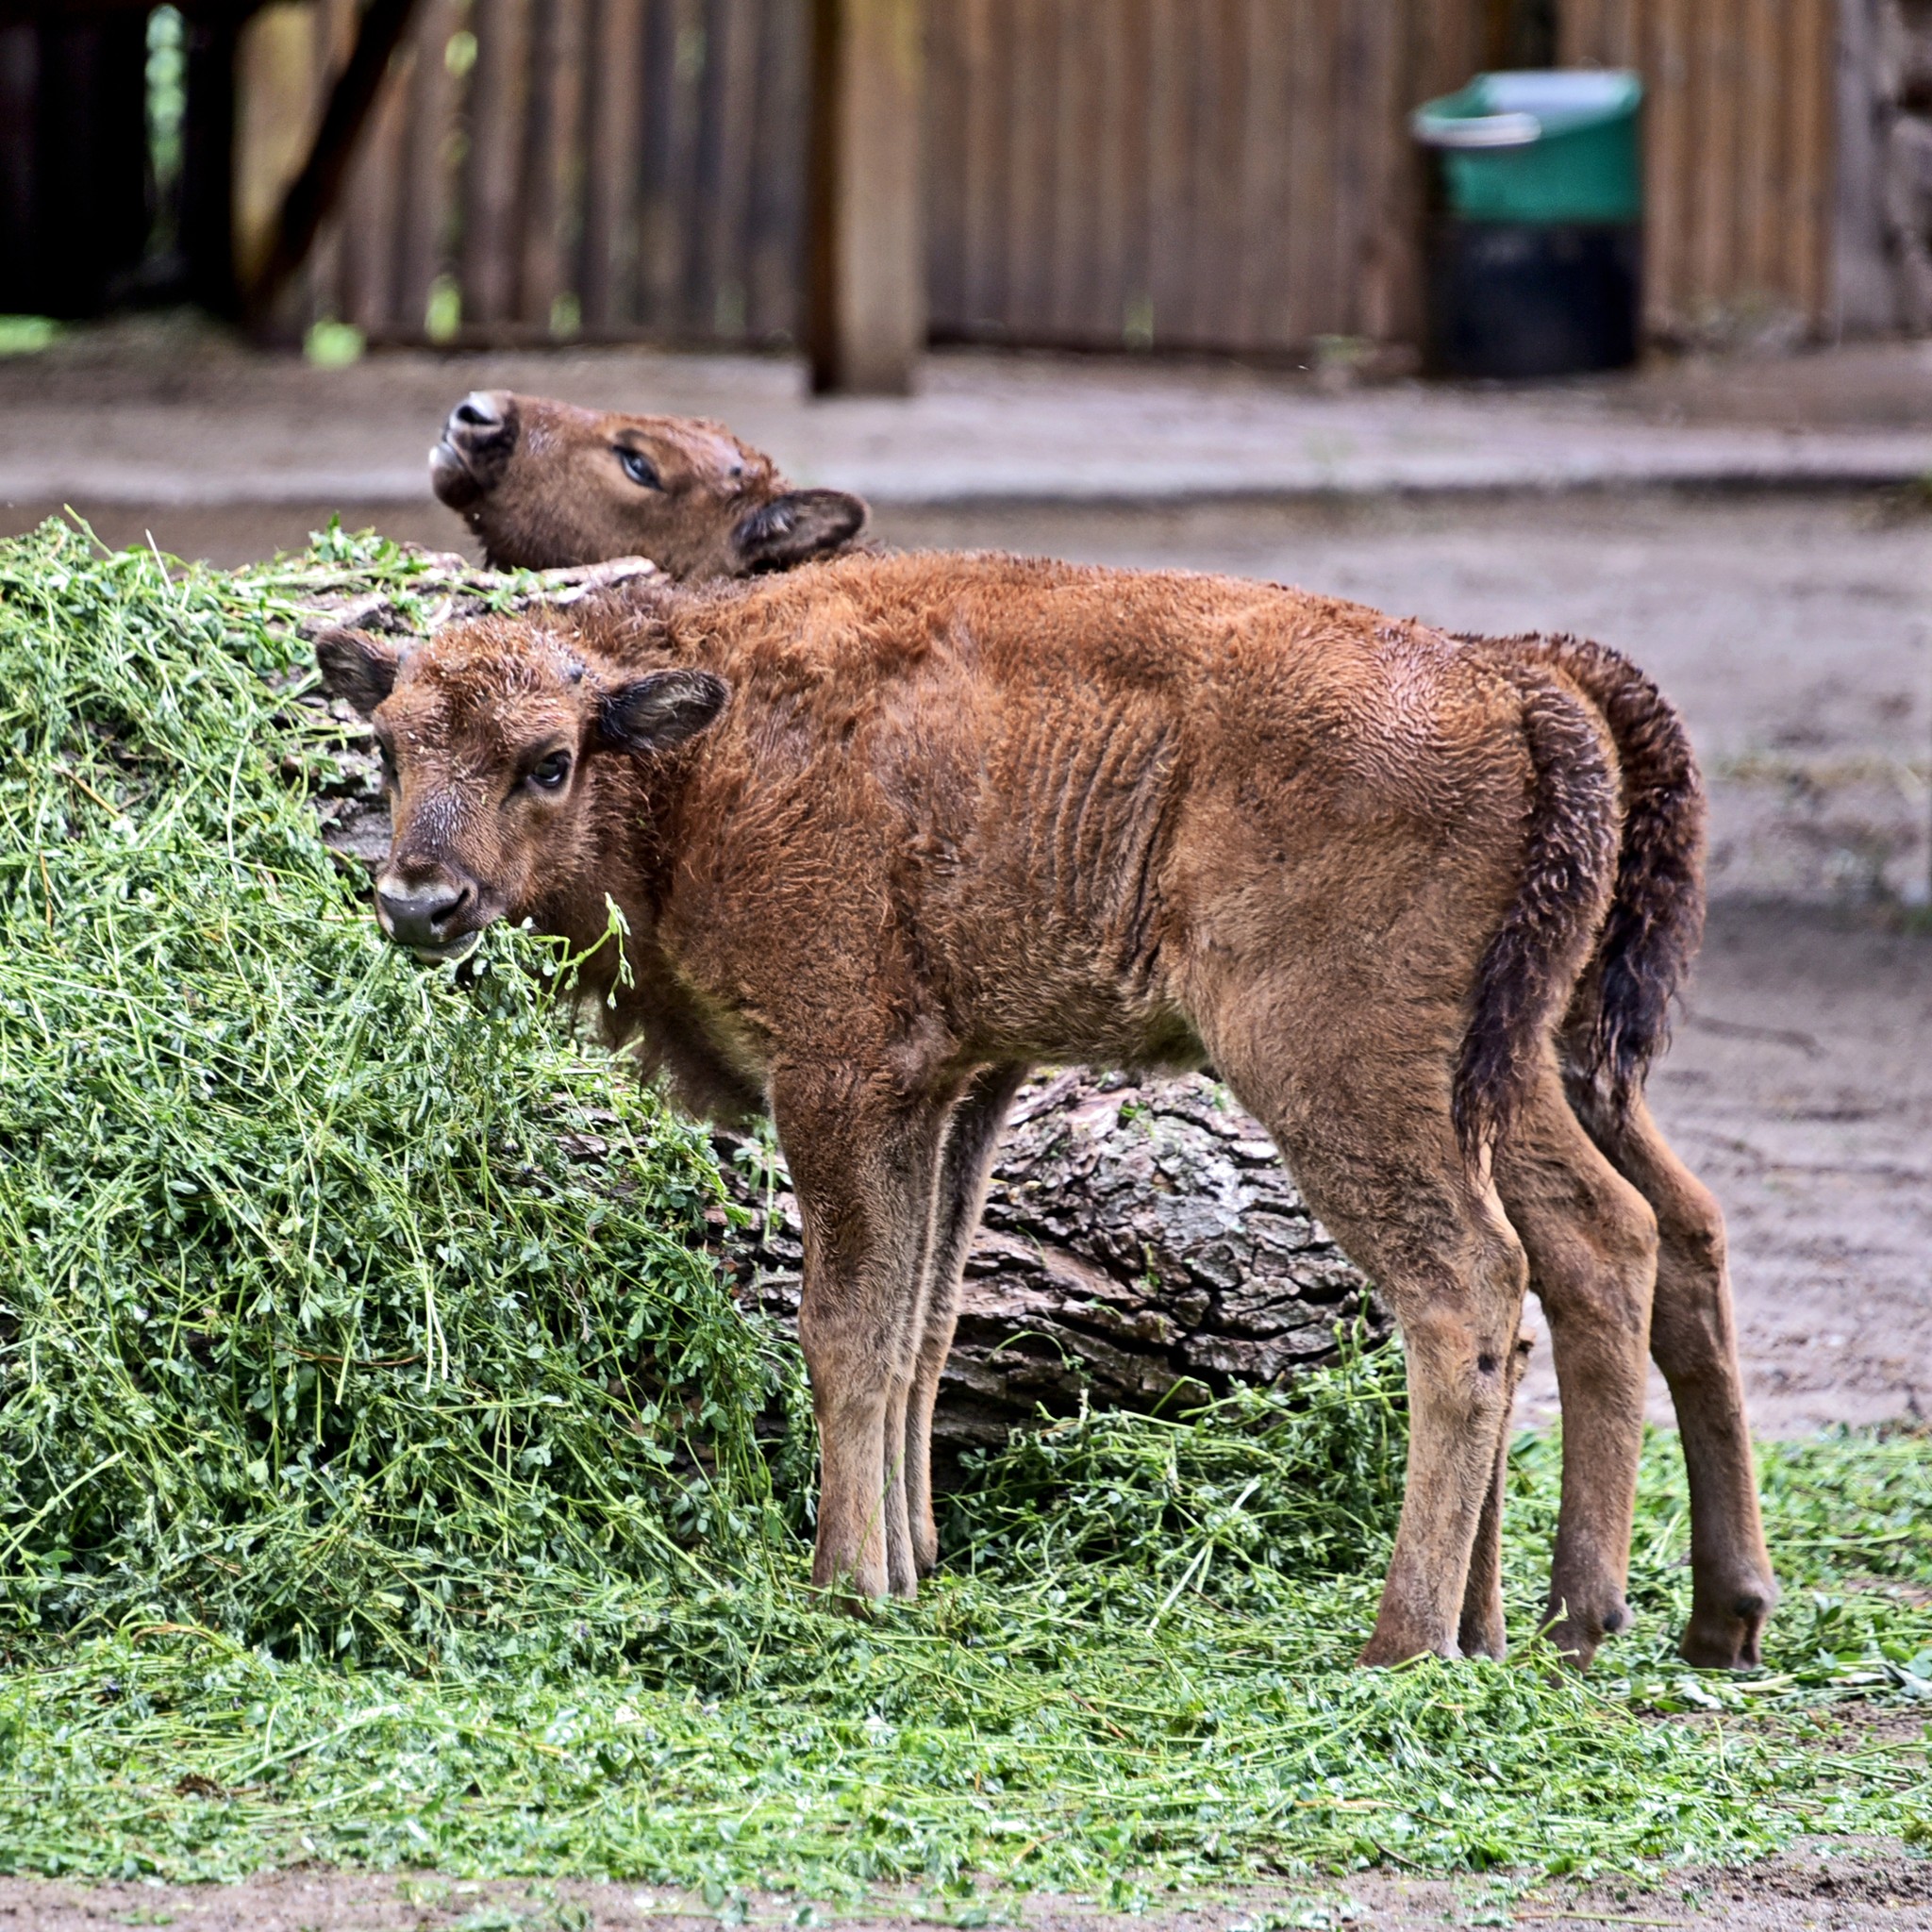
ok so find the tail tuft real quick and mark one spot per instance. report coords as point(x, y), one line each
point(1656, 920)
point(1529, 970)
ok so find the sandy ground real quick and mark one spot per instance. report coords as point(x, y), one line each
point(1820, 1890)
point(153, 410)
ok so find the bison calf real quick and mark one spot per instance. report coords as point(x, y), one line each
point(539, 484)
point(888, 831)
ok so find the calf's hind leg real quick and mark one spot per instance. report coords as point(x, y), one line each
point(1592, 1242)
point(1373, 1150)
point(1481, 1632)
point(1693, 1340)
point(971, 1140)
point(866, 1175)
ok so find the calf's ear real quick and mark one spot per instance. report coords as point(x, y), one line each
point(796, 528)
point(650, 714)
point(357, 667)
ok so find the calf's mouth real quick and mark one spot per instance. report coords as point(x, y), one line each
point(479, 436)
point(436, 921)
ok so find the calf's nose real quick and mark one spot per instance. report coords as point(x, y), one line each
point(479, 411)
point(421, 915)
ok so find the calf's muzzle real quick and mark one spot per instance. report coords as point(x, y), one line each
point(434, 918)
point(479, 437)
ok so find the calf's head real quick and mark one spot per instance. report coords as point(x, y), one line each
point(499, 743)
point(544, 483)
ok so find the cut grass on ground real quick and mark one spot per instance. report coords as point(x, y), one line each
point(379, 1480)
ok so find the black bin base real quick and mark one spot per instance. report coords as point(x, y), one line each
point(1520, 298)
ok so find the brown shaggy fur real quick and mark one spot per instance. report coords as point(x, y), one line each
point(886, 831)
point(554, 502)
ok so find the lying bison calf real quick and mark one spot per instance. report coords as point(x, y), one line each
point(543, 483)
point(886, 831)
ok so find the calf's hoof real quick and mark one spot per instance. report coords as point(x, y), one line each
point(1577, 1639)
point(1728, 1635)
point(842, 1583)
point(1384, 1650)
point(1484, 1639)
point(838, 1595)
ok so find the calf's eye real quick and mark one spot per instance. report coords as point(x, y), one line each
point(640, 468)
point(547, 775)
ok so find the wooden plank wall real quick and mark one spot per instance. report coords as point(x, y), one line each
point(1187, 174)
point(544, 169)
point(1738, 144)
point(1196, 174)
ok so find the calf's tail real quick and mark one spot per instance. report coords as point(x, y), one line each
point(1530, 969)
point(1656, 920)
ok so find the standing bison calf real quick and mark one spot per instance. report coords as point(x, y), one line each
point(886, 831)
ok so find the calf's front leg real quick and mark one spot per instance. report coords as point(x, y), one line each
point(865, 1170)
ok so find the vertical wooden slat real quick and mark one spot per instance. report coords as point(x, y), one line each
point(427, 193)
point(945, 179)
point(1258, 294)
point(776, 270)
point(1114, 153)
point(982, 47)
point(1170, 215)
point(721, 299)
point(607, 277)
point(549, 206)
point(1579, 33)
point(674, 58)
point(1387, 224)
point(1135, 317)
point(1074, 268)
point(1222, 215)
point(319, 290)
point(1668, 175)
point(372, 202)
point(1755, 202)
point(1354, 208)
point(1033, 73)
point(1813, 64)
point(1311, 279)
point(499, 103)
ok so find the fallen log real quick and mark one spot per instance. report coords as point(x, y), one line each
point(1142, 1248)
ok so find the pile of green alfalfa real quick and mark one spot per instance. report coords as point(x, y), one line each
point(315, 1331)
point(383, 1481)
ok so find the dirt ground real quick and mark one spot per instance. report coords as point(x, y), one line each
point(1816, 1890)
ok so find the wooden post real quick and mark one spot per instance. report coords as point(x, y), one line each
point(866, 278)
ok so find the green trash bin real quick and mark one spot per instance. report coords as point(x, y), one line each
point(1535, 237)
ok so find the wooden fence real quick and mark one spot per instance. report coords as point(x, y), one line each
point(1739, 135)
point(540, 168)
point(1218, 174)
